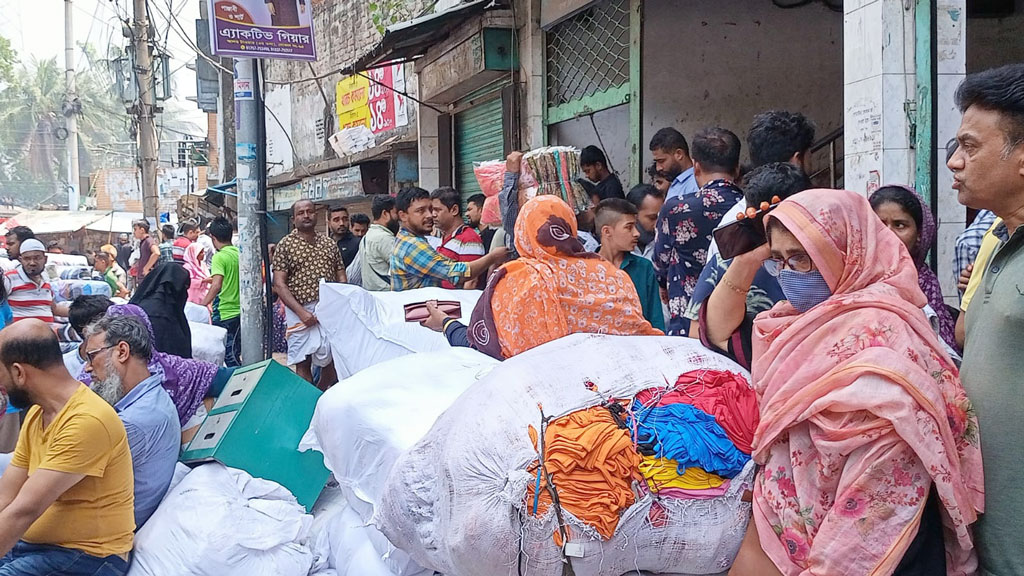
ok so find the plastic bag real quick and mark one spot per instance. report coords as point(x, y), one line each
point(491, 214)
point(208, 342)
point(364, 423)
point(67, 290)
point(367, 328)
point(196, 313)
point(490, 176)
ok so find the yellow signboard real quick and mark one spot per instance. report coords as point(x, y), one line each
point(353, 102)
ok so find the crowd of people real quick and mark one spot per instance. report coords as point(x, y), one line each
point(887, 440)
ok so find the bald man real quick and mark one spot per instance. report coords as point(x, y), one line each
point(66, 499)
point(301, 260)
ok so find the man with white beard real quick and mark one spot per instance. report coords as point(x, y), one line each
point(117, 351)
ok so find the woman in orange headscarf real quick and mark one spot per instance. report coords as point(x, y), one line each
point(868, 446)
point(555, 288)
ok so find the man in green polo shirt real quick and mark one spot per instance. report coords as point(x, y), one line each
point(224, 289)
point(615, 222)
point(988, 173)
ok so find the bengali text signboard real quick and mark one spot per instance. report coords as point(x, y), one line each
point(374, 100)
point(262, 29)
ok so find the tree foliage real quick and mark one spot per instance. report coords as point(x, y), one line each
point(33, 145)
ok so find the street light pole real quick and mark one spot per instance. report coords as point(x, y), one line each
point(71, 108)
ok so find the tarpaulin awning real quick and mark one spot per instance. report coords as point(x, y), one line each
point(54, 221)
point(115, 222)
point(409, 40)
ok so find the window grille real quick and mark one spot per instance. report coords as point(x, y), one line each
point(588, 53)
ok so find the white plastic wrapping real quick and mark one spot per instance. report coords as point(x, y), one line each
point(208, 342)
point(454, 502)
point(367, 328)
point(220, 521)
point(365, 422)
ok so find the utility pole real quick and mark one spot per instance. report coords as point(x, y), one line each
point(146, 112)
point(250, 177)
point(71, 105)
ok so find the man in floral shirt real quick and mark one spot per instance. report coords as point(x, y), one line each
point(686, 222)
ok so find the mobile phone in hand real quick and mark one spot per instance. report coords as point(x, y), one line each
point(743, 235)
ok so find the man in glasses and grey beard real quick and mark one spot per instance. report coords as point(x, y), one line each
point(117, 351)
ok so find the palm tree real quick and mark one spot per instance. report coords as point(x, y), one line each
point(32, 125)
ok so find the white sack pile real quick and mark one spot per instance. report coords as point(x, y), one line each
point(363, 425)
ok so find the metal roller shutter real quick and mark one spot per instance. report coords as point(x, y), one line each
point(478, 138)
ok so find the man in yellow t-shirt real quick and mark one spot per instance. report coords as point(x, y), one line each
point(970, 281)
point(66, 499)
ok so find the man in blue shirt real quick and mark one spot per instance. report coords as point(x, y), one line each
point(672, 158)
point(118, 351)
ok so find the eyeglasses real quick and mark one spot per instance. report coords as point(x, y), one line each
point(797, 263)
point(91, 356)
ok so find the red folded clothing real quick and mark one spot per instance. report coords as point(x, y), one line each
point(726, 396)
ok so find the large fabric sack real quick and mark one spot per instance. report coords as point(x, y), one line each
point(367, 328)
point(364, 423)
point(220, 521)
point(208, 342)
point(455, 501)
point(340, 540)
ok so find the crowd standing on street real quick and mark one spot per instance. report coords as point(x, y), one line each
point(888, 430)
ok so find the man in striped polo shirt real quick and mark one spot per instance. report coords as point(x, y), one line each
point(458, 242)
point(28, 293)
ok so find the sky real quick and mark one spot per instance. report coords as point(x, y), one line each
point(36, 29)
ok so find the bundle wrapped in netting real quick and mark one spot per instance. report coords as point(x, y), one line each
point(556, 170)
point(464, 499)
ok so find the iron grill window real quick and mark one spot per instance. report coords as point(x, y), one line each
point(588, 53)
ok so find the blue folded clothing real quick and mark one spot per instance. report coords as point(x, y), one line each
point(689, 436)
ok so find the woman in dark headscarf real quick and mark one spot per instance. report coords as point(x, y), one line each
point(163, 295)
point(906, 214)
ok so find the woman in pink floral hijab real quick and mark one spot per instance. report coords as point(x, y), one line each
point(867, 442)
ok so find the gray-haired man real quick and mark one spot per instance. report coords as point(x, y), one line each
point(118, 350)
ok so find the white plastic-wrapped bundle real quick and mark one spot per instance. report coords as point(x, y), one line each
point(219, 521)
point(208, 342)
point(367, 328)
point(364, 423)
point(455, 501)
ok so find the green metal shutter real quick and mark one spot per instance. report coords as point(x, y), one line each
point(478, 138)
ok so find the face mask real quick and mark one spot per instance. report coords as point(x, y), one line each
point(804, 290)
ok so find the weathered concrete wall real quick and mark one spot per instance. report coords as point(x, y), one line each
point(994, 42)
point(720, 63)
point(344, 32)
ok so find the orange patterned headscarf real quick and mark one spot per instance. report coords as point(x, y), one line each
point(554, 289)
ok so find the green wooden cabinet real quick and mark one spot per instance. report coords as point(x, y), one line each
point(256, 425)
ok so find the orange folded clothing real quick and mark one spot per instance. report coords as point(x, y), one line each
point(592, 463)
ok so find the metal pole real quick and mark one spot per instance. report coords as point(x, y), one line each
point(71, 108)
point(248, 101)
point(148, 145)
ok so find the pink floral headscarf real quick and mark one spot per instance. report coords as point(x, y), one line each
point(861, 409)
point(197, 272)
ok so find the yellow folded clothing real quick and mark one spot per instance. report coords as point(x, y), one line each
point(663, 473)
